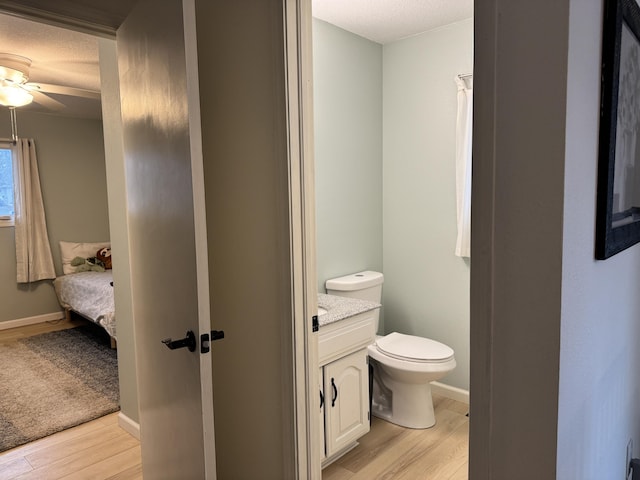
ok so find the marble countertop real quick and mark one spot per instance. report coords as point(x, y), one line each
point(339, 308)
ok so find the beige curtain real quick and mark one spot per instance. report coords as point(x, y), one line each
point(33, 252)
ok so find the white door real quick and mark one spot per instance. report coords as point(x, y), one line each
point(162, 144)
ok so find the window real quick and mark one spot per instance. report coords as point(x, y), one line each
point(6, 185)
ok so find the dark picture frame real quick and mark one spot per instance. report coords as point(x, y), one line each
point(618, 196)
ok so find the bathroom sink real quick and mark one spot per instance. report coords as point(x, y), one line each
point(321, 311)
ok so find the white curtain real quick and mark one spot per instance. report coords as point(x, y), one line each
point(464, 130)
point(33, 252)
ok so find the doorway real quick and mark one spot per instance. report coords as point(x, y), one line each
point(71, 146)
point(384, 120)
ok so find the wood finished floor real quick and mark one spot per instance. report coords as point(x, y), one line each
point(392, 452)
point(96, 450)
point(14, 334)
point(101, 450)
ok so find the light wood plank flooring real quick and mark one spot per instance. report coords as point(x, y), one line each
point(96, 450)
point(392, 452)
point(101, 450)
point(14, 334)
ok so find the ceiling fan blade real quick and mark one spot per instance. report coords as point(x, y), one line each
point(62, 90)
point(45, 101)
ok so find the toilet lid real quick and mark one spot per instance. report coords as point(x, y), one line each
point(410, 347)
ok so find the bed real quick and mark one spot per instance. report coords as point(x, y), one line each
point(91, 295)
point(88, 293)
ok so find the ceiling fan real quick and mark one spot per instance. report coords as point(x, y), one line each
point(16, 91)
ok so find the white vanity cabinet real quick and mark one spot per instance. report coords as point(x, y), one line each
point(344, 383)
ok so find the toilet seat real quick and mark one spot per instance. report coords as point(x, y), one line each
point(414, 349)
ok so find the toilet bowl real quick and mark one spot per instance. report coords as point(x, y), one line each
point(403, 367)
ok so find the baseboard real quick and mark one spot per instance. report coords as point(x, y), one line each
point(23, 322)
point(128, 425)
point(454, 393)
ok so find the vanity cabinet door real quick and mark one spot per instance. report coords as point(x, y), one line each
point(346, 388)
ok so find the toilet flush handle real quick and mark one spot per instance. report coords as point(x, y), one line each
point(335, 393)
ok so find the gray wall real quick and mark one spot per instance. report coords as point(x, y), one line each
point(599, 361)
point(516, 252)
point(72, 174)
point(426, 288)
point(554, 331)
point(240, 60)
point(348, 151)
point(402, 96)
point(118, 226)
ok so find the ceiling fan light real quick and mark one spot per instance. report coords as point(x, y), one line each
point(14, 96)
point(14, 67)
point(12, 75)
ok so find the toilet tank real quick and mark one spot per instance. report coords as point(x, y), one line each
point(363, 285)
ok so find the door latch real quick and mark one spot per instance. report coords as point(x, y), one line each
point(189, 342)
point(205, 340)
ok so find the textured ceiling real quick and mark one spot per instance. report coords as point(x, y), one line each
point(60, 57)
point(385, 21)
point(102, 15)
point(69, 58)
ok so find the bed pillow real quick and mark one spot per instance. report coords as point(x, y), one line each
point(71, 250)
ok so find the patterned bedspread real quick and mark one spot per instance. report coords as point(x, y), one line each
point(91, 295)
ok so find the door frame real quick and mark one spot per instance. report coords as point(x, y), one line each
point(299, 95)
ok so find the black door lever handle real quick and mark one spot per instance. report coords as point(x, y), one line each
point(189, 342)
point(217, 335)
point(205, 340)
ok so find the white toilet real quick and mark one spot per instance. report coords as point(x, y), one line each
point(403, 365)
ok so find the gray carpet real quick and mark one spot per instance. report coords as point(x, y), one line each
point(54, 381)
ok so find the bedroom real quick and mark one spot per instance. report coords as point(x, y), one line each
point(71, 159)
point(70, 149)
point(73, 180)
